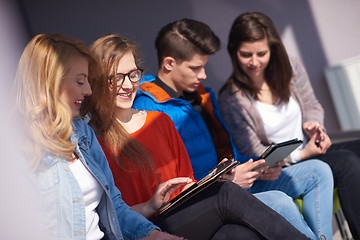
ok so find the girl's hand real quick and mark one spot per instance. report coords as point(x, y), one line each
point(318, 144)
point(160, 196)
point(243, 175)
point(164, 191)
point(310, 128)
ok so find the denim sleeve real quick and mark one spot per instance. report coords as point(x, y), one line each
point(133, 225)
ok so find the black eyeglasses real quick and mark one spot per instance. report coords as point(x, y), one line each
point(134, 77)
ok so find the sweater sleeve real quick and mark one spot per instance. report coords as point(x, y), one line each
point(236, 112)
point(310, 106)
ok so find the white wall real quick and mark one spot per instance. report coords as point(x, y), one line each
point(320, 32)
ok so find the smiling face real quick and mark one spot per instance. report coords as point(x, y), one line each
point(188, 75)
point(254, 57)
point(127, 91)
point(75, 85)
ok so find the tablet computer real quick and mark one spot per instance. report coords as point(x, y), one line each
point(197, 187)
point(278, 152)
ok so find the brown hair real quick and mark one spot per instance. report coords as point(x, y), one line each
point(109, 50)
point(250, 27)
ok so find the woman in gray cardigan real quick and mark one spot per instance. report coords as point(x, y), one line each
point(269, 99)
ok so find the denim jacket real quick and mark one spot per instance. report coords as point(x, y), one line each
point(62, 198)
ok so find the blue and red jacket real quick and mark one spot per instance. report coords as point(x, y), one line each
point(203, 153)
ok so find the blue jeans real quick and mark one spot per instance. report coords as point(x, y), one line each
point(285, 206)
point(311, 180)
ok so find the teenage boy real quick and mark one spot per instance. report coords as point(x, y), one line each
point(183, 48)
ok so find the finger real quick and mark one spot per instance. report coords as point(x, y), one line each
point(180, 180)
point(174, 183)
point(255, 175)
point(321, 128)
point(271, 174)
point(281, 163)
point(306, 125)
point(244, 165)
point(232, 171)
point(271, 170)
point(224, 160)
point(226, 177)
point(169, 189)
point(260, 170)
point(249, 165)
point(256, 163)
point(250, 161)
point(310, 125)
point(325, 144)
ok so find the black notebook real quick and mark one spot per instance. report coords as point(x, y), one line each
point(278, 152)
point(198, 186)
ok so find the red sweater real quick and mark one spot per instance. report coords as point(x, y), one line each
point(163, 141)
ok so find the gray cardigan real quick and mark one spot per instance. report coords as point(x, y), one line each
point(244, 121)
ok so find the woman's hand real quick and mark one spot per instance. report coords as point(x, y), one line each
point(165, 189)
point(310, 128)
point(318, 144)
point(161, 196)
point(273, 173)
point(244, 174)
point(314, 128)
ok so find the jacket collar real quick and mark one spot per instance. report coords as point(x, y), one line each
point(157, 92)
point(161, 95)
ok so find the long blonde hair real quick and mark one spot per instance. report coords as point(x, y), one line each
point(42, 66)
point(109, 50)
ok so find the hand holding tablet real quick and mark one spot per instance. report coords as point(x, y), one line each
point(278, 152)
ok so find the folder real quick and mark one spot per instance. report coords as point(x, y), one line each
point(197, 187)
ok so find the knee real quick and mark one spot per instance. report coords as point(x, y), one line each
point(317, 173)
point(277, 200)
point(321, 169)
point(282, 199)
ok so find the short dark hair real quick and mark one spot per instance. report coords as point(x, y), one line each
point(184, 38)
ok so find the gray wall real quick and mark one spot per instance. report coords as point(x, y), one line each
point(320, 32)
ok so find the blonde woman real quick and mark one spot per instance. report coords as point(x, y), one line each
point(80, 200)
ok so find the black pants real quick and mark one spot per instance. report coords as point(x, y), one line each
point(344, 161)
point(226, 211)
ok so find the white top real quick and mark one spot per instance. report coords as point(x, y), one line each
point(282, 123)
point(92, 193)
